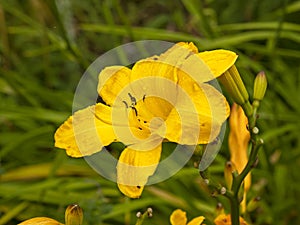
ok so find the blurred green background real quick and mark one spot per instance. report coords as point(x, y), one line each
point(47, 45)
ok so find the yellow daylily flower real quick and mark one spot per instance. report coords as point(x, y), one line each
point(178, 217)
point(73, 216)
point(238, 141)
point(224, 219)
point(162, 98)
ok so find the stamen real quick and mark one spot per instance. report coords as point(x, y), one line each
point(133, 99)
point(125, 104)
point(135, 111)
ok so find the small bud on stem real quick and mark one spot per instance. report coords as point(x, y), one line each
point(260, 86)
point(73, 215)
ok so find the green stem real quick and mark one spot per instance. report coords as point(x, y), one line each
point(238, 180)
point(235, 209)
point(251, 113)
point(234, 206)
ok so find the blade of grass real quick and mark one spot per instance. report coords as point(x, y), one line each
point(233, 39)
point(259, 26)
point(196, 10)
point(142, 32)
point(24, 138)
point(13, 213)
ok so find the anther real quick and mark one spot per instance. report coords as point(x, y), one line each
point(133, 99)
point(125, 104)
point(135, 111)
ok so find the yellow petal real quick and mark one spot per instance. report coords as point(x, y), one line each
point(124, 124)
point(92, 128)
point(41, 221)
point(194, 67)
point(112, 81)
point(239, 137)
point(84, 133)
point(197, 221)
point(238, 140)
point(218, 60)
point(134, 168)
point(150, 84)
point(178, 53)
point(164, 66)
point(116, 90)
point(189, 46)
point(222, 219)
point(178, 217)
point(242, 221)
point(204, 106)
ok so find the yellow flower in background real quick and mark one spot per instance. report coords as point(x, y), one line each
point(41, 221)
point(162, 98)
point(238, 141)
point(224, 219)
point(178, 217)
point(73, 216)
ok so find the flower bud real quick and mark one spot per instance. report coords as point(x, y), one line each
point(73, 215)
point(233, 83)
point(253, 204)
point(228, 173)
point(260, 86)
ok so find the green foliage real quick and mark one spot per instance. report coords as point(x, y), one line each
point(47, 45)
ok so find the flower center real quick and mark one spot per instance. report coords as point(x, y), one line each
point(148, 114)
